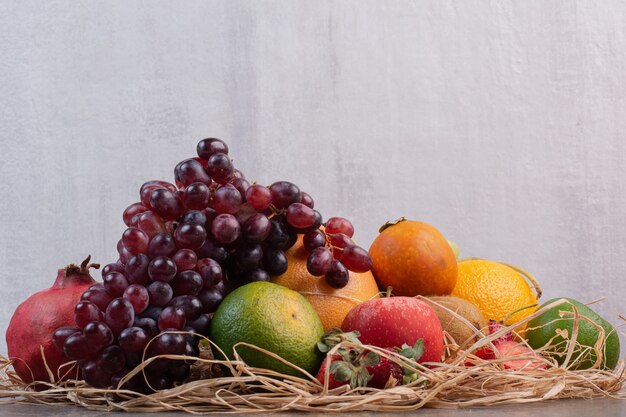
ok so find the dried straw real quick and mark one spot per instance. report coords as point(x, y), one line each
point(449, 384)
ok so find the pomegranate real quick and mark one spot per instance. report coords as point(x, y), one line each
point(507, 347)
point(35, 320)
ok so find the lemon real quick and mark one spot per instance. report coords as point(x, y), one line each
point(270, 317)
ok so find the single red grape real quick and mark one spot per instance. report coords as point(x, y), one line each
point(319, 261)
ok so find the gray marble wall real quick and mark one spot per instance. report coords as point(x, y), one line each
point(501, 123)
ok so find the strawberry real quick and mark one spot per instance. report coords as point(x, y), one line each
point(332, 381)
point(358, 367)
point(383, 371)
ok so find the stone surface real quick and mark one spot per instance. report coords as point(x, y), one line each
point(562, 408)
point(502, 123)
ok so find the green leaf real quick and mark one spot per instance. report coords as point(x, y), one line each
point(414, 353)
point(418, 349)
point(322, 347)
point(363, 377)
point(370, 359)
point(343, 371)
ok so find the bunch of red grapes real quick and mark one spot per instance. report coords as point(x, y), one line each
point(186, 246)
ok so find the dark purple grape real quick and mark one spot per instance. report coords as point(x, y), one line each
point(159, 382)
point(193, 351)
point(185, 260)
point(241, 184)
point(96, 374)
point(190, 236)
point(244, 213)
point(336, 225)
point(150, 223)
point(284, 193)
point(112, 359)
point(338, 275)
point(156, 184)
point(274, 261)
point(258, 196)
point(119, 315)
point(138, 297)
point(307, 200)
point(61, 334)
point(148, 325)
point(220, 167)
point(340, 240)
point(171, 318)
point(98, 286)
point(210, 271)
point(137, 269)
point(168, 344)
point(77, 348)
point(195, 217)
point(227, 199)
point(85, 312)
point(98, 335)
point(316, 224)
point(117, 377)
point(258, 274)
point(162, 244)
point(136, 383)
point(99, 297)
point(179, 371)
point(279, 236)
point(300, 216)
point(146, 190)
point(135, 240)
point(133, 210)
point(210, 146)
point(210, 214)
point(152, 311)
point(124, 253)
point(319, 261)
point(225, 228)
point(356, 259)
point(210, 299)
point(134, 339)
point(162, 269)
point(115, 283)
point(190, 171)
point(197, 196)
point(248, 257)
point(314, 239)
point(201, 324)
point(212, 250)
point(189, 304)
point(166, 204)
point(256, 228)
point(187, 283)
point(113, 267)
point(160, 293)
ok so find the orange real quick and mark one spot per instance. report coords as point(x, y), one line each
point(496, 289)
point(413, 258)
point(331, 304)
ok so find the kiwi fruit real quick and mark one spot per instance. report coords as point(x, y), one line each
point(463, 335)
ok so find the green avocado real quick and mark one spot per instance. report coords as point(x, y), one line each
point(544, 327)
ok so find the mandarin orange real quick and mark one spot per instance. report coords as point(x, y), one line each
point(413, 258)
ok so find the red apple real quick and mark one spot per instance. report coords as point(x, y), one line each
point(395, 321)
